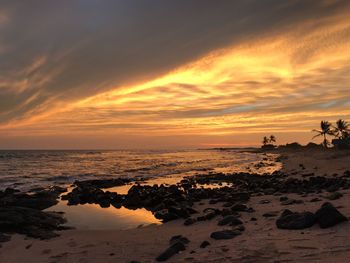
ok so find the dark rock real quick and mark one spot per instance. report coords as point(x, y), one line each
point(231, 220)
point(179, 238)
point(190, 221)
point(283, 198)
point(30, 222)
point(239, 208)
point(290, 220)
point(225, 234)
point(204, 244)
point(328, 216)
point(40, 200)
point(171, 251)
point(165, 216)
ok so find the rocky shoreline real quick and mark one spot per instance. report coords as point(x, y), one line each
point(226, 197)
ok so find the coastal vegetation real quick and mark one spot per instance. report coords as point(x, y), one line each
point(340, 131)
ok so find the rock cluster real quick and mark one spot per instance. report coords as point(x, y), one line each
point(326, 216)
point(21, 213)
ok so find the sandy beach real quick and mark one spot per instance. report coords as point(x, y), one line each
point(261, 241)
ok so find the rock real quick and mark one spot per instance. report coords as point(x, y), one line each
point(231, 220)
point(190, 221)
point(290, 220)
point(204, 244)
point(334, 196)
point(239, 208)
point(171, 251)
point(179, 238)
point(283, 198)
point(165, 216)
point(225, 234)
point(40, 200)
point(30, 222)
point(328, 216)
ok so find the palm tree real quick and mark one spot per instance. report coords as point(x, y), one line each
point(272, 139)
point(341, 129)
point(265, 140)
point(325, 130)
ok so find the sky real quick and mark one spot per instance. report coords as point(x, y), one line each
point(110, 74)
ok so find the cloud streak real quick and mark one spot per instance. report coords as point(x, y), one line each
point(172, 67)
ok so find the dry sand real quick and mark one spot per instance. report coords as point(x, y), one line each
point(260, 242)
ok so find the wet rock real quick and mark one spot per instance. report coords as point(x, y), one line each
point(30, 222)
point(204, 244)
point(165, 215)
point(171, 251)
point(225, 234)
point(290, 220)
point(328, 216)
point(230, 220)
point(39, 200)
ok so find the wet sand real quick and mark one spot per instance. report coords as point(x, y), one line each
point(260, 242)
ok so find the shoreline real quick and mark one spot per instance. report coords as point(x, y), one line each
point(261, 241)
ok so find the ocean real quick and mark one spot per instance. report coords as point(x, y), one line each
point(41, 168)
point(28, 170)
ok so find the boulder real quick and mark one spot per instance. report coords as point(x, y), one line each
point(230, 220)
point(290, 220)
point(328, 216)
point(171, 251)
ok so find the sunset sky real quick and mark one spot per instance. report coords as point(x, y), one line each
point(109, 74)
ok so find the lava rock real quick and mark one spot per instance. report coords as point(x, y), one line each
point(204, 244)
point(225, 234)
point(179, 238)
point(171, 251)
point(190, 221)
point(290, 220)
point(30, 222)
point(231, 220)
point(328, 216)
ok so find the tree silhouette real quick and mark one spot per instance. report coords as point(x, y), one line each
point(325, 130)
point(341, 129)
point(265, 140)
